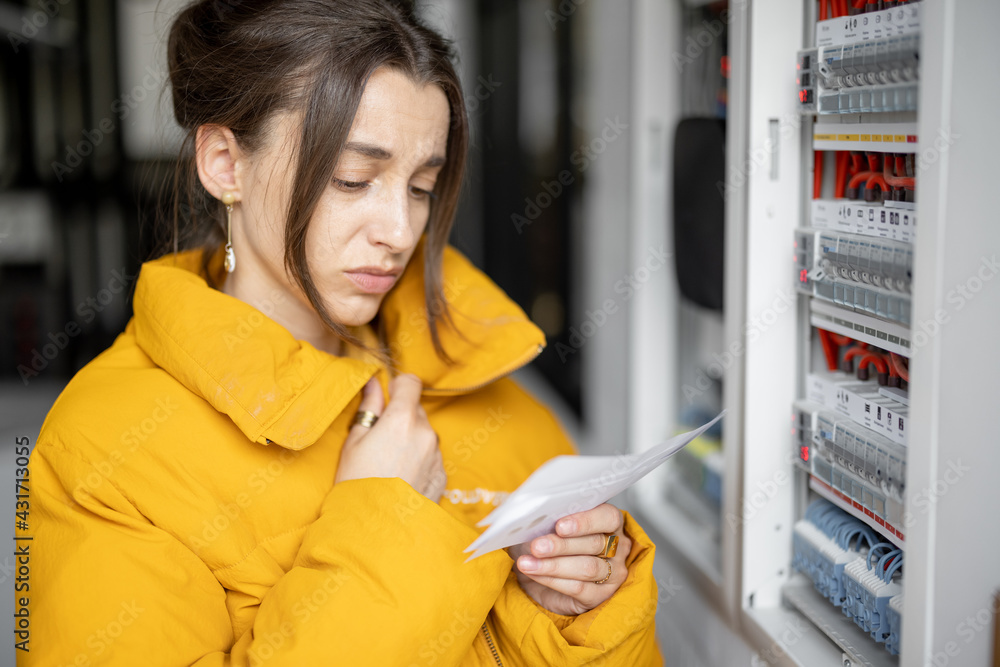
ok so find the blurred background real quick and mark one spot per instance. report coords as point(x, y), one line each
point(88, 139)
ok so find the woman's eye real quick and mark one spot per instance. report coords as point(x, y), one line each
point(350, 186)
point(420, 193)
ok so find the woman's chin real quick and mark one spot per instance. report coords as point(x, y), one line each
point(362, 311)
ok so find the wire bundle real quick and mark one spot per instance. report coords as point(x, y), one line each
point(824, 542)
point(870, 588)
point(841, 353)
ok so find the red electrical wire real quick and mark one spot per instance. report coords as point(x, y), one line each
point(859, 178)
point(843, 8)
point(877, 179)
point(901, 368)
point(859, 4)
point(830, 349)
point(884, 356)
point(847, 174)
point(839, 175)
point(873, 162)
point(822, 9)
point(871, 358)
point(897, 181)
point(855, 352)
point(818, 175)
point(855, 162)
point(840, 339)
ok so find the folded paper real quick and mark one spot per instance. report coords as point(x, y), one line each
point(566, 485)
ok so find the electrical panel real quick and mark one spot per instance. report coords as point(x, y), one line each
point(858, 86)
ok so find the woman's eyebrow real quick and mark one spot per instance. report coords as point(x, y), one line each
point(379, 153)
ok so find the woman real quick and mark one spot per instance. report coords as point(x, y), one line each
point(282, 458)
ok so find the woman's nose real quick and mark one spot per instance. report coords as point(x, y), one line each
point(392, 224)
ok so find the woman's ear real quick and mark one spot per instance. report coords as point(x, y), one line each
point(217, 157)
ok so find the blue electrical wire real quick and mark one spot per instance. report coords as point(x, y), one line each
point(877, 547)
point(891, 570)
point(883, 562)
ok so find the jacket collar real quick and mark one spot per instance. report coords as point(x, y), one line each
point(277, 389)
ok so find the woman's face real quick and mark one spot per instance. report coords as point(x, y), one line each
point(369, 218)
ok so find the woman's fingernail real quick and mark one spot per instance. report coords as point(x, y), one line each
point(567, 526)
point(527, 564)
point(543, 547)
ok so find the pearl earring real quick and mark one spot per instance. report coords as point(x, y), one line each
point(228, 198)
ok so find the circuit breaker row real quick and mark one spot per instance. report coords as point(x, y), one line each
point(853, 569)
point(863, 273)
point(867, 77)
point(872, 66)
point(865, 469)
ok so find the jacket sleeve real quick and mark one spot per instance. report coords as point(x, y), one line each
point(379, 578)
point(619, 632)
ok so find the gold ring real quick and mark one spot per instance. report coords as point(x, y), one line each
point(365, 418)
point(609, 571)
point(610, 547)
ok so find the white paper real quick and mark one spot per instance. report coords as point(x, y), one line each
point(566, 485)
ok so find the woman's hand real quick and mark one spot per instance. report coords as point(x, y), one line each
point(400, 444)
point(559, 570)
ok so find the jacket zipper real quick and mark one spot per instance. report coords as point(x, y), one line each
point(489, 642)
point(518, 365)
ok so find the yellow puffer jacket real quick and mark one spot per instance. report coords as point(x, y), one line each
point(183, 510)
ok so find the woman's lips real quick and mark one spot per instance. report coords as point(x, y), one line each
point(373, 283)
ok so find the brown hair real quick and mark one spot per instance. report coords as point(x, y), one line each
point(236, 64)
